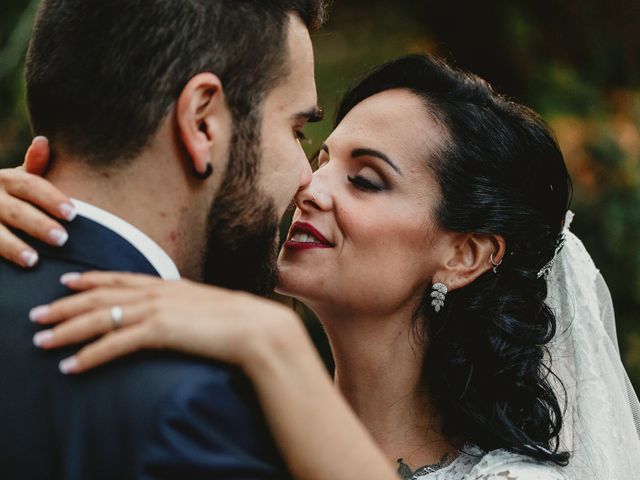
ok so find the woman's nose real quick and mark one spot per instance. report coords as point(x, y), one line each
point(313, 197)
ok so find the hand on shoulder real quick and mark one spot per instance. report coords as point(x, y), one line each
point(130, 312)
point(29, 203)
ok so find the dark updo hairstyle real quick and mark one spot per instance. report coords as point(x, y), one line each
point(500, 172)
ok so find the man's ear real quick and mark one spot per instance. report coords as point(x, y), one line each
point(468, 256)
point(202, 116)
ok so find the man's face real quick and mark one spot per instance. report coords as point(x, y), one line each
point(243, 221)
point(284, 168)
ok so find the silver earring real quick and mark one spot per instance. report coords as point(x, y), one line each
point(438, 294)
point(495, 265)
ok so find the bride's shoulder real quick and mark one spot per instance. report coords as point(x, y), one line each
point(504, 465)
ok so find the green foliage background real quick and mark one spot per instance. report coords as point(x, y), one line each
point(577, 62)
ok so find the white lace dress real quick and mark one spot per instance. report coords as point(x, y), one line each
point(474, 464)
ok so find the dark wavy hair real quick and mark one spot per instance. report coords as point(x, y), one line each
point(500, 172)
point(102, 75)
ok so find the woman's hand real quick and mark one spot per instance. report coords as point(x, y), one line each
point(318, 434)
point(156, 314)
point(21, 195)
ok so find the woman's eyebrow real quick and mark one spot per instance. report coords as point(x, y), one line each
point(368, 152)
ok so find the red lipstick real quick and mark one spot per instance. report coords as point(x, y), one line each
point(303, 236)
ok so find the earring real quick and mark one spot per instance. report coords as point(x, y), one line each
point(438, 294)
point(203, 176)
point(495, 265)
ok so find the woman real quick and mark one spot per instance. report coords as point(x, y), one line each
point(423, 245)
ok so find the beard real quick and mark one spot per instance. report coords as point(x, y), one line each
point(241, 252)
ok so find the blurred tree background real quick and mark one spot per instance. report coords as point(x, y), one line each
point(577, 62)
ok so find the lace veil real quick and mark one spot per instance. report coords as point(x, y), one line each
point(601, 426)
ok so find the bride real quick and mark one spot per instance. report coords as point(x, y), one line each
point(473, 337)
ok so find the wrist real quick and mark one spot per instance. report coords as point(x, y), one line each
point(276, 339)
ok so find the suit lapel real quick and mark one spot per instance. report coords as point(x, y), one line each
point(95, 246)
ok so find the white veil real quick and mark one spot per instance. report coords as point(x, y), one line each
point(601, 427)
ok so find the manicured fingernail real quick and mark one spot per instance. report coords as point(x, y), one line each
point(69, 277)
point(38, 312)
point(42, 337)
point(58, 237)
point(68, 211)
point(68, 365)
point(39, 138)
point(28, 258)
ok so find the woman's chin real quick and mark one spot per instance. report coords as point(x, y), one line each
point(287, 287)
point(292, 285)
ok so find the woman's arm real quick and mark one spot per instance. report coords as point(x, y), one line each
point(317, 431)
point(23, 196)
point(319, 435)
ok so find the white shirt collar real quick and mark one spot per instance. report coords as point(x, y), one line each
point(156, 256)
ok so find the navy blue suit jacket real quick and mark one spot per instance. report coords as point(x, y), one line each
point(149, 416)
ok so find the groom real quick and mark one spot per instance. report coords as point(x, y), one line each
point(174, 125)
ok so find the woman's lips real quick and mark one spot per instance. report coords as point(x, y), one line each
point(303, 236)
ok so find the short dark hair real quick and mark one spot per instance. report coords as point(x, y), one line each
point(500, 171)
point(102, 74)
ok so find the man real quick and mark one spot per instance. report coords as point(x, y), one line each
point(174, 125)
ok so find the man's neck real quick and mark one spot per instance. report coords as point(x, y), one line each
point(150, 194)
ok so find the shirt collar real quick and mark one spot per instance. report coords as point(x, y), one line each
point(156, 256)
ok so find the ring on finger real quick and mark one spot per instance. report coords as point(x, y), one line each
point(116, 316)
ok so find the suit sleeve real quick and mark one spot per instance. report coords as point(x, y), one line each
point(211, 427)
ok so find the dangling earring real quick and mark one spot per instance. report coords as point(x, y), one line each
point(495, 265)
point(438, 294)
point(206, 174)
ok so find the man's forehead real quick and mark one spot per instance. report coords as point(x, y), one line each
point(300, 49)
point(298, 89)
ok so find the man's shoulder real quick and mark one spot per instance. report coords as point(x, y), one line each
point(91, 246)
point(203, 413)
point(175, 378)
point(185, 389)
point(181, 386)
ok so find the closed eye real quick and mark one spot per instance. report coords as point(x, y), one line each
point(364, 184)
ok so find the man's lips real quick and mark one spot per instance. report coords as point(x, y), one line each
point(303, 236)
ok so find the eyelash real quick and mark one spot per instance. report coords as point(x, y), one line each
point(363, 184)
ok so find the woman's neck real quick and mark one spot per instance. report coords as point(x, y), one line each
point(378, 370)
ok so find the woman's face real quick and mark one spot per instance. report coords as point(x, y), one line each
point(363, 237)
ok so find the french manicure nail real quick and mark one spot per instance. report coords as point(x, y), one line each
point(28, 258)
point(39, 138)
point(38, 312)
point(68, 365)
point(69, 277)
point(68, 211)
point(42, 337)
point(58, 237)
